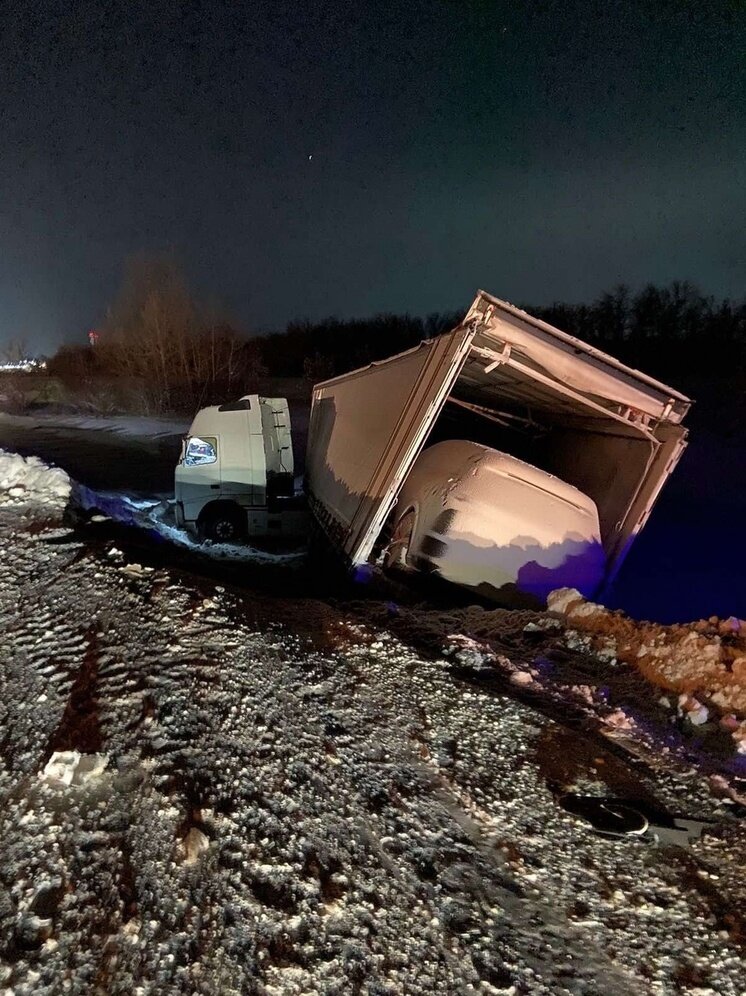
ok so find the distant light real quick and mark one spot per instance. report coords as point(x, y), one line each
point(24, 365)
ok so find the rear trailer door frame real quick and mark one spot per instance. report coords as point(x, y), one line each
point(442, 367)
point(604, 386)
point(672, 442)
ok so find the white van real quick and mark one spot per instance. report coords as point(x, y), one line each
point(235, 477)
point(488, 521)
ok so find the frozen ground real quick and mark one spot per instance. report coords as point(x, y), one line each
point(137, 426)
point(207, 790)
point(156, 517)
point(97, 455)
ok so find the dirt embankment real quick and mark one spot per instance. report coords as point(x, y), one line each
point(703, 662)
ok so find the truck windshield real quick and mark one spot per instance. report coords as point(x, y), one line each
point(200, 451)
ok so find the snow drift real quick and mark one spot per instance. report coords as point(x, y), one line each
point(28, 480)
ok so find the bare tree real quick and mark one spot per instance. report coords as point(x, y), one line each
point(156, 334)
point(150, 330)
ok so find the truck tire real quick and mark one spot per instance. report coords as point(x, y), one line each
point(224, 524)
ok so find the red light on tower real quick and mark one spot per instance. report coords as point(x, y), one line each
point(93, 337)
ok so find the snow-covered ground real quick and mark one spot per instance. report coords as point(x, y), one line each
point(207, 790)
point(28, 480)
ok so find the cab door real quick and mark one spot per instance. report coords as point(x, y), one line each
point(243, 472)
point(197, 476)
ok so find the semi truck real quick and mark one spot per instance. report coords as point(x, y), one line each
point(505, 456)
point(235, 477)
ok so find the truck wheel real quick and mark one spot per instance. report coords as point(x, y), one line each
point(225, 524)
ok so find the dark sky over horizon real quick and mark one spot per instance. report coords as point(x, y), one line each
point(308, 159)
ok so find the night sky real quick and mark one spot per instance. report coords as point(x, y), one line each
point(308, 159)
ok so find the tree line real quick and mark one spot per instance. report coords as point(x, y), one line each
point(166, 352)
point(158, 349)
point(671, 332)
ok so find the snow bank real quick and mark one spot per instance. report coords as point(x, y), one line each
point(28, 480)
point(70, 767)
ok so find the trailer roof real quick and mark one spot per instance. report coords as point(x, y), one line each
point(515, 355)
point(481, 306)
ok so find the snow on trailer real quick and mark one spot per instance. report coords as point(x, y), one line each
point(508, 380)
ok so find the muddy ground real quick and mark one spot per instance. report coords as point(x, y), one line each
point(227, 777)
point(215, 787)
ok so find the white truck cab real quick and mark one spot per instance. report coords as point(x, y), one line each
point(235, 476)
